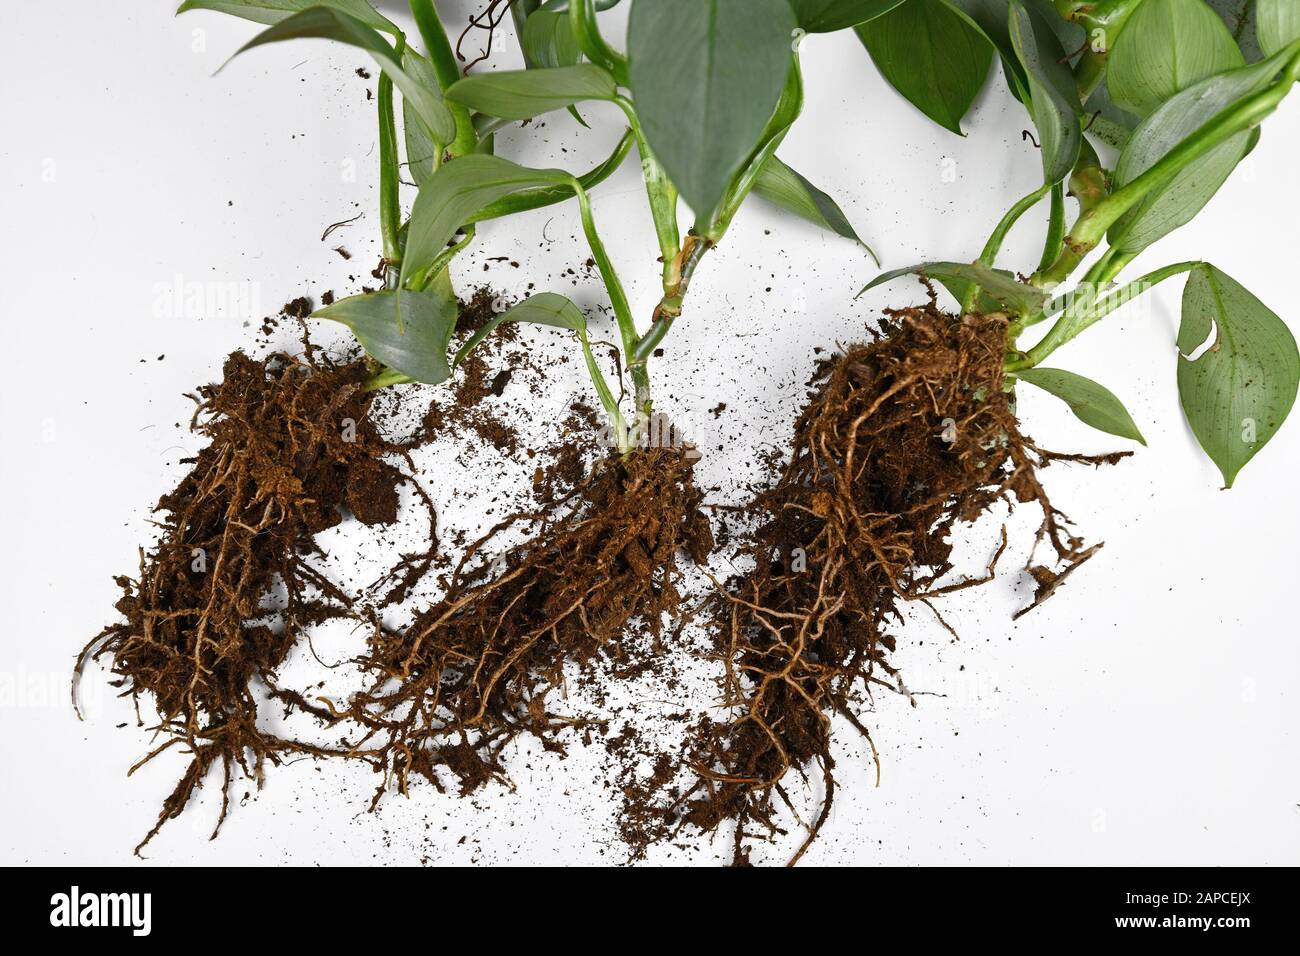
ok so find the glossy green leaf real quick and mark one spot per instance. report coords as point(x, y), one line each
point(413, 340)
point(273, 11)
point(932, 56)
point(521, 94)
point(827, 16)
point(1166, 46)
point(1175, 202)
point(1237, 392)
point(706, 76)
point(990, 18)
point(1001, 286)
point(1092, 403)
point(784, 187)
point(326, 23)
point(1053, 99)
point(548, 41)
point(550, 195)
point(1277, 23)
point(544, 308)
point(420, 148)
point(452, 195)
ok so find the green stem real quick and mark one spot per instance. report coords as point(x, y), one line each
point(670, 306)
point(660, 191)
point(389, 376)
point(1076, 319)
point(1107, 16)
point(390, 211)
point(617, 297)
point(999, 235)
point(1091, 227)
point(582, 20)
point(607, 399)
point(443, 60)
point(1055, 239)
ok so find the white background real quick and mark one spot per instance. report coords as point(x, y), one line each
point(1148, 713)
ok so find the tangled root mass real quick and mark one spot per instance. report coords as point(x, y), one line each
point(290, 445)
point(477, 669)
point(904, 438)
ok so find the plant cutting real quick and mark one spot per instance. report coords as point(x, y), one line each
point(708, 90)
point(911, 436)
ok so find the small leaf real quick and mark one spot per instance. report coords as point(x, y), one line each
point(412, 341)
point(521, 94)
point(548, 41)
point(544, 308)
point(932, 56)
point(1092, 403)
point(326, 23)
point(1001, 286)
point(1053, 98)
point(1166, 46)
point(1175, 202)
point(784, 187)
point(454, 193)
point(273, 11)
point(706, 76)
point(1239, 390)
point(420, 147)
point(827, 16)
point(1277, 23)
point(550, 195)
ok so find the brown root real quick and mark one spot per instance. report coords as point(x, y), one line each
point(291, 443)
point(904, 438)
point(474, 671)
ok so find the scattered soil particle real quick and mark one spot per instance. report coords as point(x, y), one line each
point(298, 308)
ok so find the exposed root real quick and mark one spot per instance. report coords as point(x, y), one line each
point(904, 438)
point(291, 444)
point(474, 671)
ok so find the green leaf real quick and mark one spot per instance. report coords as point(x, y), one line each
point(1092, 403)
point(932, 56)
point(273, 11)
point(1053, 99)
point(1174, 203)
point(1166, 46)
point(544, 308)
point(1238, 391)
point(550, 195)
point(1001, 286)
point(784, 187)
point(521, 94)
point(413, 340)
point(326, 23)
point(707, 76)
point(1277, 23)
point(454, 193)
point(827, 16)
point(990, 18)
point(420, 147)
point(548, 41)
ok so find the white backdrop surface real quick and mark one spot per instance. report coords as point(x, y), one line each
point(1147, 714)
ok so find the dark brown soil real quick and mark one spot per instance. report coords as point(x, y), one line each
point(903, 439)
point(477, 669)
point(291, 446)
